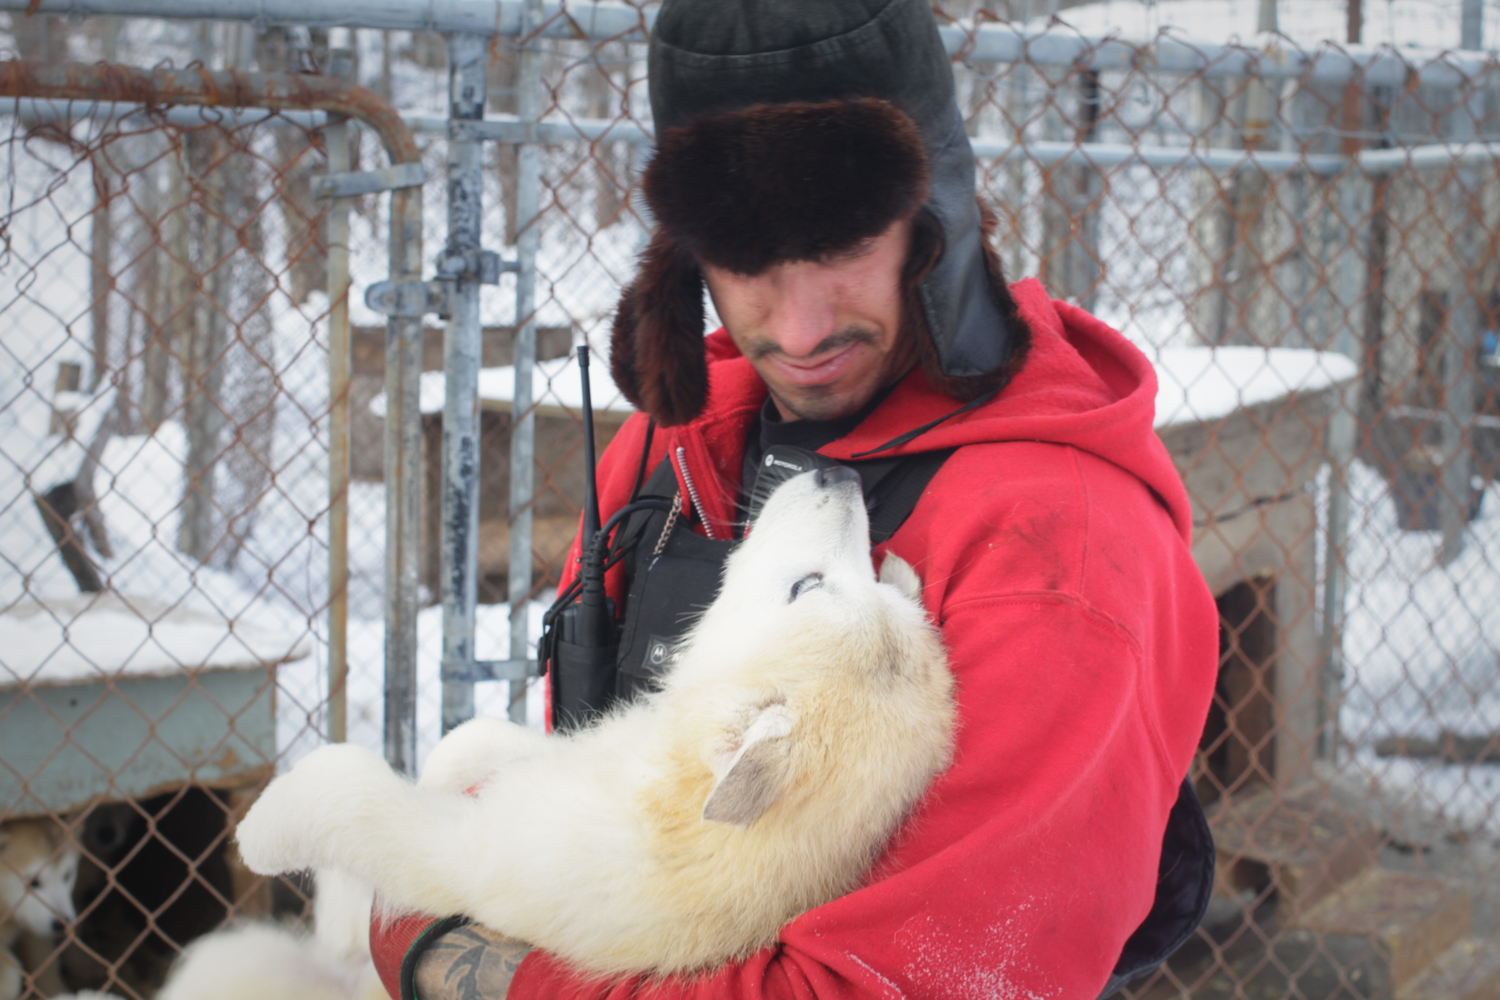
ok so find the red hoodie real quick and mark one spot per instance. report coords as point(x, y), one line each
point(1054, 552)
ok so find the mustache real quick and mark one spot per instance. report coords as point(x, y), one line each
point(765, 347)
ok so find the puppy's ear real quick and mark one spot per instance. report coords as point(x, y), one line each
point(898, 573)
point(656, 353)
point(756, 773)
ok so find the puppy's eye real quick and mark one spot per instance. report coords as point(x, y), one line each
point(36, 883)
point(811, 581)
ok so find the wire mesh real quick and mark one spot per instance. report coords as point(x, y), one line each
point(164, 523)
point(1308, 258)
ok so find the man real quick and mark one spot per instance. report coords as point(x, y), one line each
point(813, 172)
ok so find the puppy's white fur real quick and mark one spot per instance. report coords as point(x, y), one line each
point(38, 866)
point(269, 962)
point(808, 710)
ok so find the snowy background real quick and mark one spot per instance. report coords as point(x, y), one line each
point(1422, 641)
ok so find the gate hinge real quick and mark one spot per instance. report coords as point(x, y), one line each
point(417, 298)
point(482, 266)
point(410, 298)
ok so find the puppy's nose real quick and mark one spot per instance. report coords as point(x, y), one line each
point(58, 927)
point(836, 474)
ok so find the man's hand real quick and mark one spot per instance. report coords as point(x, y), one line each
point(469, 963)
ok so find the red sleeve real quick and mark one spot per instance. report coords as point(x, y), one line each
point(391, 940)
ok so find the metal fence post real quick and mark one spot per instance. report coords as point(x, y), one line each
point(523, 419)
point(1458, 378)
point(1462, 335)
point(1070, 264)
point(1339, 444)
point(403, 480)
point(462, 265)
point(336, 140)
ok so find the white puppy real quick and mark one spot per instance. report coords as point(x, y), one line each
point(38, 866)
point(808, 710)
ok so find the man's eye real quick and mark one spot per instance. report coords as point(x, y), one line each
point(811, 581)
point(855, 252)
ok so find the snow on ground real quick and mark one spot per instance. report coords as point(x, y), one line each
point(1422, 650)
point(1422, 641)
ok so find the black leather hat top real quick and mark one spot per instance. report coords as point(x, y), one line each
point(719, 56)
point(713, 56)
point(731, 29)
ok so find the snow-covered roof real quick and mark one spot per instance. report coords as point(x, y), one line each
point(1207, 383)
point(94, 636)
point(554, 385)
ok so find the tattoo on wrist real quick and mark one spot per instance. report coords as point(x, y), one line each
point(469, 963)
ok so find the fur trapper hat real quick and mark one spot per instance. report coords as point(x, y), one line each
point(789, 130)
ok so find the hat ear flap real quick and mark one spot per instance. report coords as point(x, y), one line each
point(656, 346)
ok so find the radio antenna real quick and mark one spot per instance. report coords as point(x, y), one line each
point(584, 638)
point(590, 487)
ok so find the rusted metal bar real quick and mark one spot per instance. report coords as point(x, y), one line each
point(223, 88)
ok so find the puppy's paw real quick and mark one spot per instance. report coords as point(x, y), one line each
point(294, 823)
point(269, 839)
point(898, 573)
point(468, 755)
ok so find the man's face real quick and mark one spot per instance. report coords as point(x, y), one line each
point(824, 335)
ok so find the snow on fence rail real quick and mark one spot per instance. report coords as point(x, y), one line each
point(1306, 249)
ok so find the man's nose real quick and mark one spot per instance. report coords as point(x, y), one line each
point(801, 314)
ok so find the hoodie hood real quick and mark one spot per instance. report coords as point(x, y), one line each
point(1083, 385)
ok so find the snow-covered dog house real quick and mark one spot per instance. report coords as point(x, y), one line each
point(1247, 428)
point(109, 698)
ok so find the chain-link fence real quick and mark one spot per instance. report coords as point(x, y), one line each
point(165, 402)
point(1304, 240)
point(168, 499)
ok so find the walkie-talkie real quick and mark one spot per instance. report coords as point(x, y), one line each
point(587, 637)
